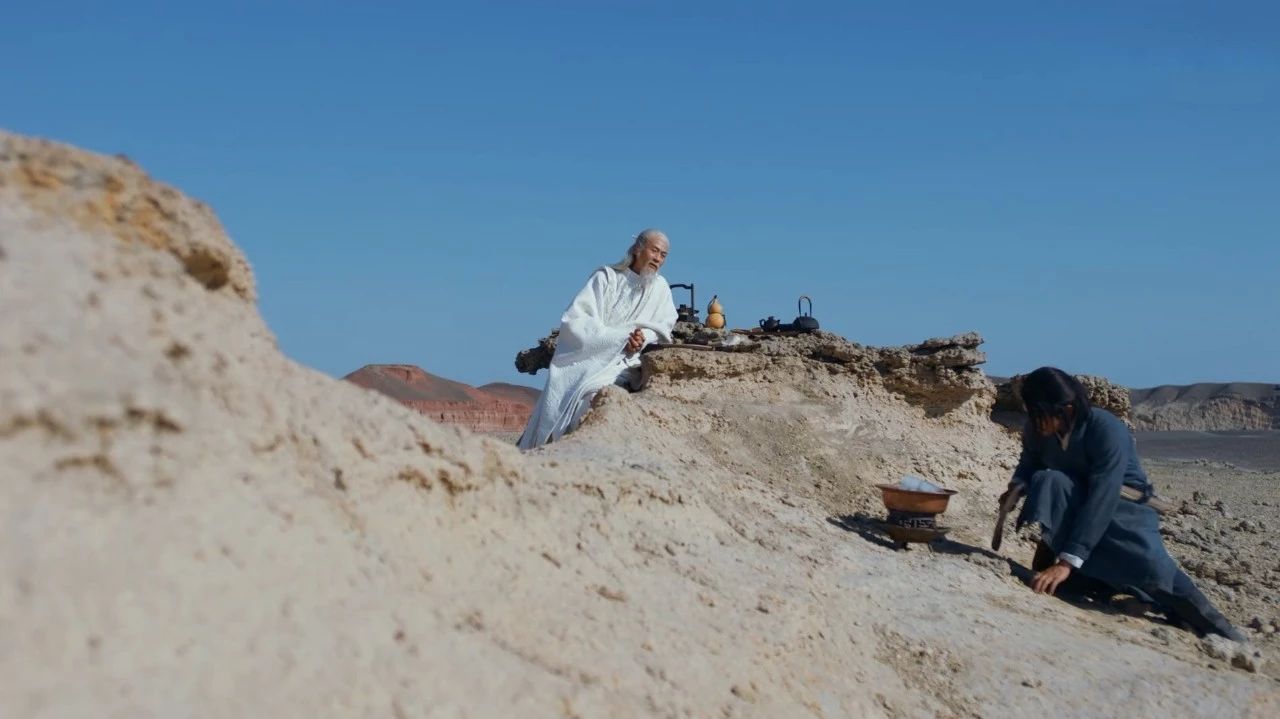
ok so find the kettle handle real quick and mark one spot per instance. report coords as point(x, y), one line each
point(800, 306)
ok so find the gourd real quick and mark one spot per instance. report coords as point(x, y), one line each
point(715, 314)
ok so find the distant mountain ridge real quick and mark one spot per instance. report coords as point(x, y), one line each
point(513, 392)
point(496, 407)
point(1207, 406)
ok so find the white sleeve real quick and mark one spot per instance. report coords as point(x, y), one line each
point(582, 327)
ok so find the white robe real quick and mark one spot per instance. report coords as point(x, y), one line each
point(591, 350)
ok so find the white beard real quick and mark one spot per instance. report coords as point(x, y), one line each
point(646, 277)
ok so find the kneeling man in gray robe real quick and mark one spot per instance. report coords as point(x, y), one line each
point(1076, 460)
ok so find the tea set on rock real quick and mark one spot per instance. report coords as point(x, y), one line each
point(805, 321)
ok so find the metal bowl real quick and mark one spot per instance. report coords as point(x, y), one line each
point(907, 500)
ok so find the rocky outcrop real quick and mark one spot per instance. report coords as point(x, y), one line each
point(939, 374)
point(444, 400)
point(1103, 394)
point(1208, 407)
point(538, 357)
point(1220, 550)
point(114, 197)
point(696, 333)
point(1107, 395)
point(175, 487)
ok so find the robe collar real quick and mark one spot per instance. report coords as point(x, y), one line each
point(1074, 435)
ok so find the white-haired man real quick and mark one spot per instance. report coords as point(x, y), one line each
point(624, 307)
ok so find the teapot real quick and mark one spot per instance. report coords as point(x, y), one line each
point(771, 324)
point(806, 321)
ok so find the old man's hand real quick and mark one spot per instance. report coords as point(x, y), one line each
point(1047, 582)
point(636, 341)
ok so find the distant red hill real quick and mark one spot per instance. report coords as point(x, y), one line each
point(513, 392)
point(501, 407)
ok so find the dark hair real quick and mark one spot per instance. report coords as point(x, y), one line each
point(1048, 391)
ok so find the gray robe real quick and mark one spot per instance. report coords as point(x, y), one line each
point(1074, 494)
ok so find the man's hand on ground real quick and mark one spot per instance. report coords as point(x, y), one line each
point(1047, 582)
point(636, 341)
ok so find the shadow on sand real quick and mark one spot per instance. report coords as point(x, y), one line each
point(869, 528)
point(1078, 590)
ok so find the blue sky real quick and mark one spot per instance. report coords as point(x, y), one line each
point(1087, 186)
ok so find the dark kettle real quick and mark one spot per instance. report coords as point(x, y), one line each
point(806, 322)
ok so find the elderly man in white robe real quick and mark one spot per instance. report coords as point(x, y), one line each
point(623, 308)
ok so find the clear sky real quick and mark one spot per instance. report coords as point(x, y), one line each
point(1091, 185)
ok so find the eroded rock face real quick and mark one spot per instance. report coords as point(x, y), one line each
point(697, 333)
point(939, 374)
point(173, 486)
point(1103, 394)
point(112, 195)
point(538, 357)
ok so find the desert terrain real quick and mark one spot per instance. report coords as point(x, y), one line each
point(1208, 406)
point(1257, 450)
point(196, 525)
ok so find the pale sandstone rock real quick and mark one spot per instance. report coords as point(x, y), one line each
point(1237, 654)
point(196, 526)
point(940, 374)
point(113, 196)
point(1103, 394)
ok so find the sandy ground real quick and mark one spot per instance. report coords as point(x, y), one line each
point(1227, 539)
point(196, 526)
point(953, 620)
